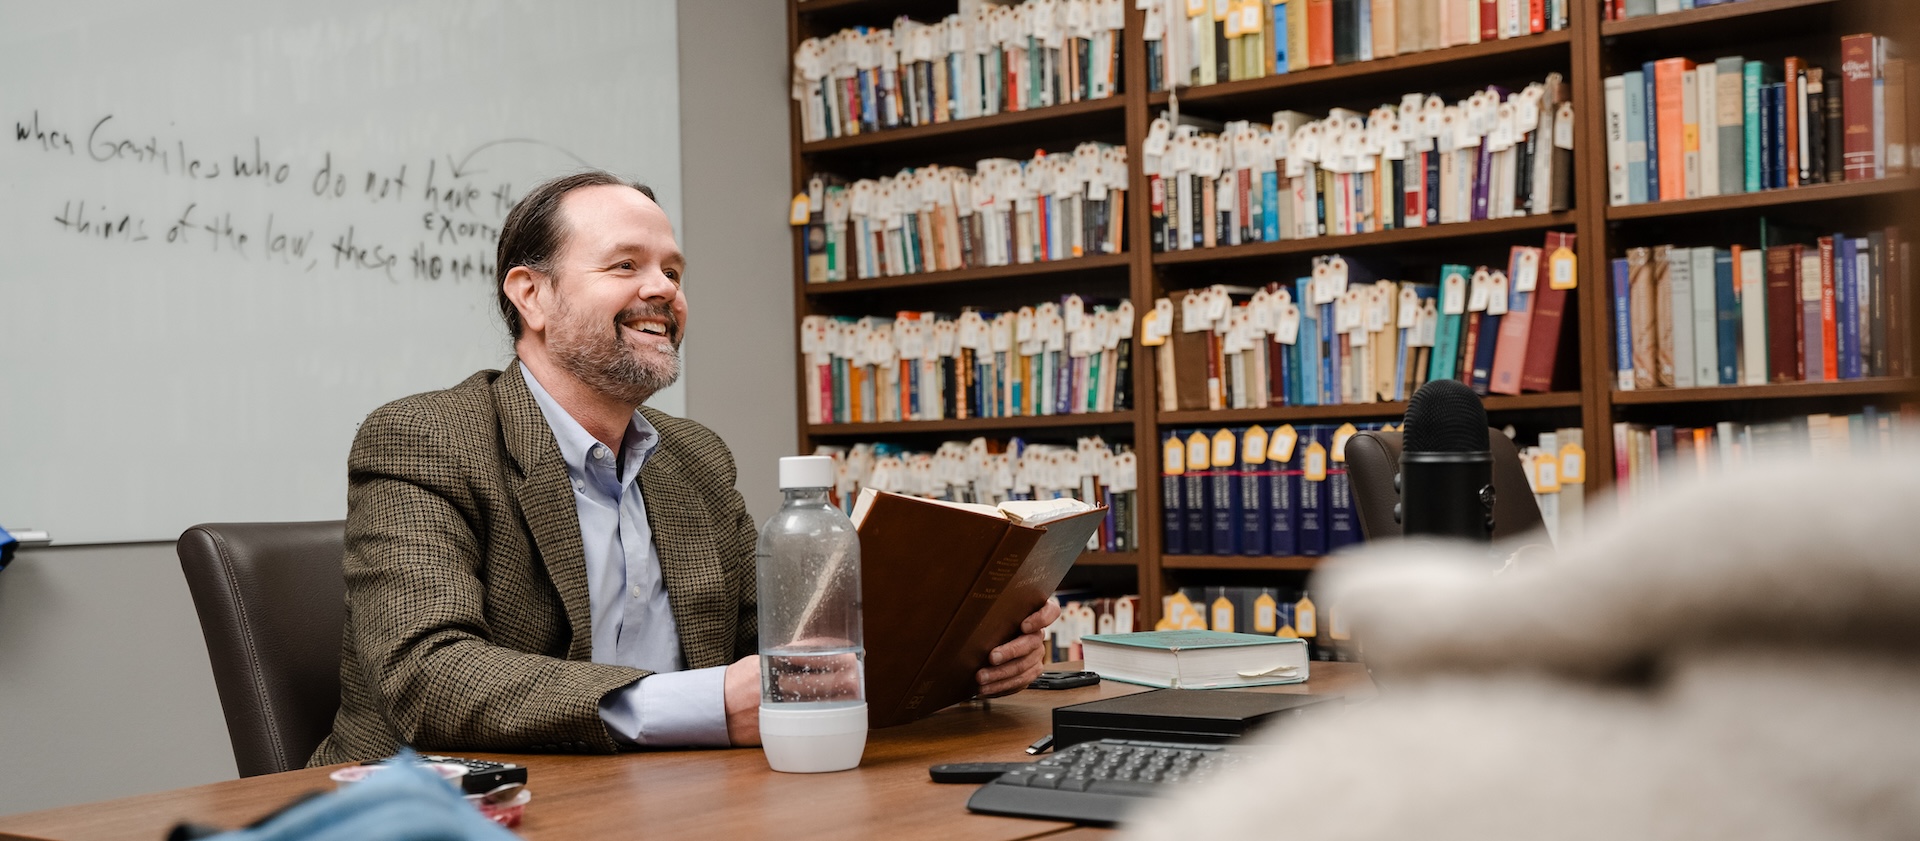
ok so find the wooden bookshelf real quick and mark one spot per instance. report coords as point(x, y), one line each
point(1811, 194)
point(1098, 262)
point(969, 426)
point(1250, 563)
point(1525, 53)
point(1775, 391)
point(1586, 52)
point(1490, 228)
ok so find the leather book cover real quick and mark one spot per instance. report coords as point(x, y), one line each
point(1640, 311)
point(1189, 363)
point(1856, 72)
point(1783, 314)
point(1663, 317)
point(1794, 71)
point(932, 610)
point(1542, 365)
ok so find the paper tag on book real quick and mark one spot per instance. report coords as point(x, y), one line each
point(1562, 271)
point(1573, 464)
point(1266, 614)
point(1253, 445)
point(1280, 448)
point(1304, 622)
point(1316, 462)
point(1497, 293)
point(1453, 294)
point(1340, 438)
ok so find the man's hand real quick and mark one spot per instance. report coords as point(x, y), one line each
point(743, 701)
point(1014, 665)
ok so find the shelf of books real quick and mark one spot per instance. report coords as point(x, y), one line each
point(1046, 247)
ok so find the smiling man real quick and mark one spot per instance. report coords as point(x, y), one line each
point(536, 563)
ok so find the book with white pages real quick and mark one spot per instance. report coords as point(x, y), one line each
point(1196, 659)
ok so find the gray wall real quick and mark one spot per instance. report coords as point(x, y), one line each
point(100, 652)
point(734, 163)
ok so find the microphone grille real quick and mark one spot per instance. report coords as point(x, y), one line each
point(1445, 416)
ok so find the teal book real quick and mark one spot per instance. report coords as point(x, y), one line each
point(1196, 659)
point(1446, 340)
point(1754, 77)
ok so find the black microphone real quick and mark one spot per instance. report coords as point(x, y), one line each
point(1446, 470)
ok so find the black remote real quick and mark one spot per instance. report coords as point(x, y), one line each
point(482, 775)
point(973, 772)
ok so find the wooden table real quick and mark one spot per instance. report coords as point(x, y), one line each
point(700, 794)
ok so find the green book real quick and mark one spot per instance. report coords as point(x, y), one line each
point(1196, 659)
point(1446, 340)
point(1755, 76)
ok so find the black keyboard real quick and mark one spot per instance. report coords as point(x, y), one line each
point(1099, 782)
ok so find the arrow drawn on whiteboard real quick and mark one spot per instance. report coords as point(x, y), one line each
point(459, 170)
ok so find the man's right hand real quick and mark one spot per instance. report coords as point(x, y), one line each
point(742, 689)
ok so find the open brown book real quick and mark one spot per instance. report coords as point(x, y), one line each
point(942, 584)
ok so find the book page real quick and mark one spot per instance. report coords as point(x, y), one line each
point(1034, 512)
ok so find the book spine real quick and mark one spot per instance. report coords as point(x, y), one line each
point(1727, 299)
point(1616, 104)
point(1706, 317)
point(1680, 314)
point(1651, 100)
point(1635, 98)
point(1783, 315)
point(1752, 80)
point(1856, 71)
point(1622, 325)
point(1669, 115)
point(1729, 122)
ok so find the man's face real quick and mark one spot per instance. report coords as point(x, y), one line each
point(618, 313)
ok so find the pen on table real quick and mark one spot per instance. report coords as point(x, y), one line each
point(1040, 745)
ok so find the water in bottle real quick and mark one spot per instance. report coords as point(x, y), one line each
point(813, 703)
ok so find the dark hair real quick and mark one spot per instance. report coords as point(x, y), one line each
point(534, 232)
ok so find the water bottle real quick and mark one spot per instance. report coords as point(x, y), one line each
point(813, 697)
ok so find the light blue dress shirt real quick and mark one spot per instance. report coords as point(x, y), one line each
point(632, 621)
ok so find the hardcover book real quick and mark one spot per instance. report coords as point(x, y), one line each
point(1195, 659)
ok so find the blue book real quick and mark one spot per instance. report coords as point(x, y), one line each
point(1173, 510)
point(1280, 59)
point(1773, 138)
point(1622, 326)
point(1270, 202)
point(1310, 526)
point(1636, 116)
point(1651, 125)
point(1727, 313)
point(1223, 494)
point(1308, 345)
point(1343, 519)
point(1281, 514)
point(1480, 377)
point(1329, 358)
point(1256, 488)
point(1753, 78)
point(1846, 302)
point(1193, 486)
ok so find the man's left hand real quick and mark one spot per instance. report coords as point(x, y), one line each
point(1014, 665)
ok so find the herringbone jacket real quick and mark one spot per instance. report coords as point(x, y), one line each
point(467, 605)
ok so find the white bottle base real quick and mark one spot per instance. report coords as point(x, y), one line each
point(807, 741)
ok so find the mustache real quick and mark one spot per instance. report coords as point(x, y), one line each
point(659, 311)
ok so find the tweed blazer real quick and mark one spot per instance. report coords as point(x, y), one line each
point(468, 625)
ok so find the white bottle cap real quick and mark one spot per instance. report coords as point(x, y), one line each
point(806, 472)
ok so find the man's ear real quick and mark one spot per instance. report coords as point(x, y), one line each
point(530, 293)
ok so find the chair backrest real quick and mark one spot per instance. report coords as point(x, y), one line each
point(1373, 458)
point(272, 605)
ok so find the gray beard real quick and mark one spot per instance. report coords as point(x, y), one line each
point(610, 366)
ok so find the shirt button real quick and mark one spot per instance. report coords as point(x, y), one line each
point(579, 485)
point(637, 592)
point(600, 452)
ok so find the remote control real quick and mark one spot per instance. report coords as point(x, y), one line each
point(973, 772)
point(482, 775)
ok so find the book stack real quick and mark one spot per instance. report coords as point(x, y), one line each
point(1819, 310)
point(1201, 42)
point(1680, 130)
point(1340, 336)
point(1422, 162)
point(1647, 458)
point(1623, 9)
point(933, 219)
point(1556, 468)
point(1083, 613)
point(992, 471)
point(990, 59)
point(1060, 358)
point(1258, 492)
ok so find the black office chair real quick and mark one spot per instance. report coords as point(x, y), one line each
point(1374, 457)
point(272, 605)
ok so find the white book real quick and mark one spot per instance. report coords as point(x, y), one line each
point(1708, 76)
point(1616, 102)
point(1753, 317)
point(1661, 7)
point(1706, 320)
point(1690, 131)
point(1680, 295)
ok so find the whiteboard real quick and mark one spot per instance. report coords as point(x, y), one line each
point(232, 229)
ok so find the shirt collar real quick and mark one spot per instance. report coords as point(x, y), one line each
point(577, 444)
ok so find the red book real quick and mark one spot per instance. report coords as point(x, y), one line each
point(1320, 33)
point(1856, 73)
point(1549, 312)
point(1510, 349)
point(1464, 368)
point(1536, 16)
point(1784, 342)
point(1829, 328)
point(1489, 20)
point(1668, 86)
point(1793, 74)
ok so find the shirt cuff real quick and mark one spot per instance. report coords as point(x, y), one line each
point(670, 709)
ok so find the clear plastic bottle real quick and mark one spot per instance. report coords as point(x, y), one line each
point(813, 700)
